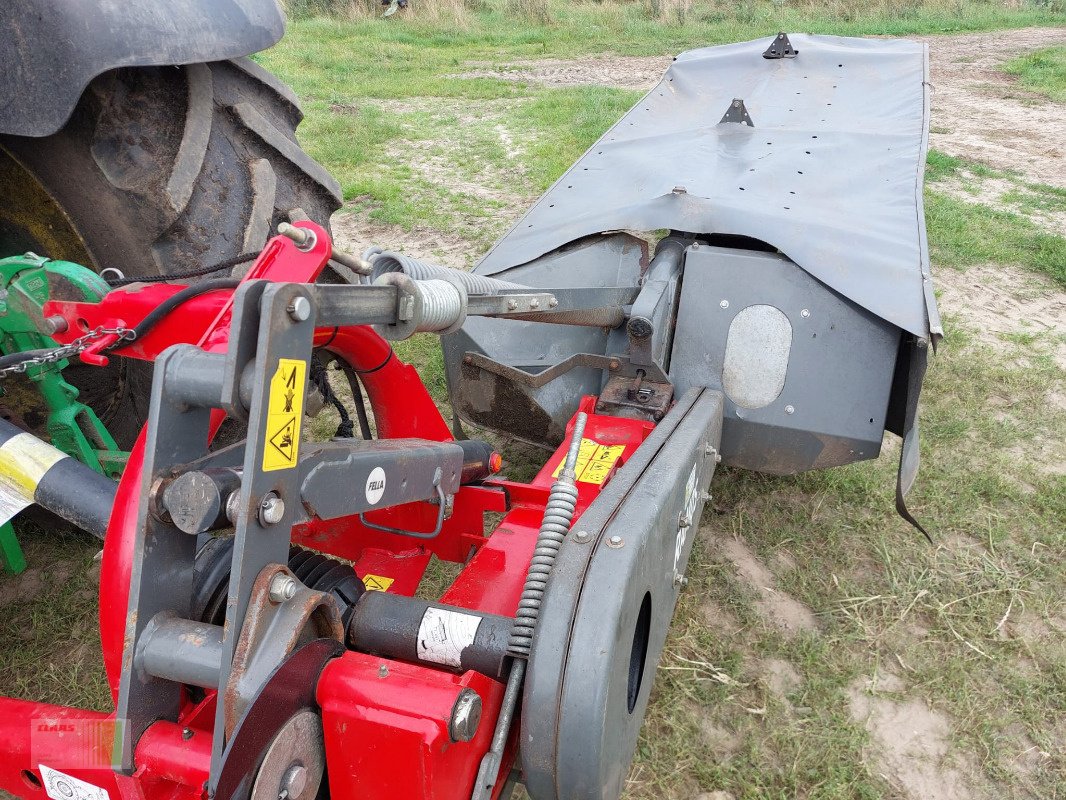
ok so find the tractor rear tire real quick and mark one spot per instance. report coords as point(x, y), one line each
point(160, 170)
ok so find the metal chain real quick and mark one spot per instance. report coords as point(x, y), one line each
point(69, 350)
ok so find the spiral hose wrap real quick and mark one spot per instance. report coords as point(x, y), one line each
point(558, 514)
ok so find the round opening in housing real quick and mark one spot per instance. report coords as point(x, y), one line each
point(639, 654)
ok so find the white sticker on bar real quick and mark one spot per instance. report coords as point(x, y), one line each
point(444, 634)
point(24, 459)
point(60, 786)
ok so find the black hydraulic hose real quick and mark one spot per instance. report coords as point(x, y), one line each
point(13, 359)
point(66, 487)
point(145, 325)
point(357, 394)
point(229, 263)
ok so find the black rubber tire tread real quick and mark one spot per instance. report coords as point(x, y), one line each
point(169, 169)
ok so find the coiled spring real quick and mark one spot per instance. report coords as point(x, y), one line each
point(558, 514)
point(386, 261)
point(441, 305)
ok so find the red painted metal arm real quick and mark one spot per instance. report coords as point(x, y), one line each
point(201, 320)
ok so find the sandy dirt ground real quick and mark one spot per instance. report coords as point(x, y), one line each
point(978, 113)
point(982, 114)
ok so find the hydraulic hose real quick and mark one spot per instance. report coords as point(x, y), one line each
point(558, 514)
point(36, 472)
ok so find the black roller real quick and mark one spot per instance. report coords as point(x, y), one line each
point(41, 474)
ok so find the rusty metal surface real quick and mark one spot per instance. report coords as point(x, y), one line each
point(636, 398)
point(270, 633)
point(288, 691)
point(830, 174)
point(298, 745)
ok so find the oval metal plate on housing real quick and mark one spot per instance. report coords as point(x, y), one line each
point(756, 356)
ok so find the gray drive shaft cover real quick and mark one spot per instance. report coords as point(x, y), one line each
point(608, 607)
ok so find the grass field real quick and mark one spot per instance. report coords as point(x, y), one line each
point(822, 648)
point(1043, 71)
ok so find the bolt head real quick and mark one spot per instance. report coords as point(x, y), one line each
point(724, 304)
point(383, 671)
point(512, 305)
point(553, 302)
point(271, 510)
point(805, 313)
point(293, 782)
point(790, 409)
point(300, 309)
point(303, 237)
point(640, 327)
point(615, 542)
point(684, 521)
point(466, 716)
point(282, 588)
point(53, 325)
point(582, 536)
point(534, 303)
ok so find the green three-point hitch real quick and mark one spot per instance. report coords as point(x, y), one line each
point(26, 283)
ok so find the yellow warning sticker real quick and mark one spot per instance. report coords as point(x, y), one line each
point(377, 583)
point(601, 463)
point(284, 412)
point(594, 461)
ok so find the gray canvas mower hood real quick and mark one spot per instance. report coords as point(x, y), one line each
point(838, 192)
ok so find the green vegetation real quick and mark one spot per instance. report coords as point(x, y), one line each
point(1042, 71)
point(962, 625)
point(947, 621)
point(964, 233)
point(425, 129)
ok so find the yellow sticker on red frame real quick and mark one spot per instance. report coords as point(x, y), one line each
point(594, 461)
point(377, 583)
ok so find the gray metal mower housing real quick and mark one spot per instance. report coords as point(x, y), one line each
point(804, 293)
point(51, 49)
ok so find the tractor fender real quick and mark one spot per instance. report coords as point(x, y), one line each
point(51, 49)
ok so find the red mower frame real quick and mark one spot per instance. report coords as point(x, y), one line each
point(385, 721)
